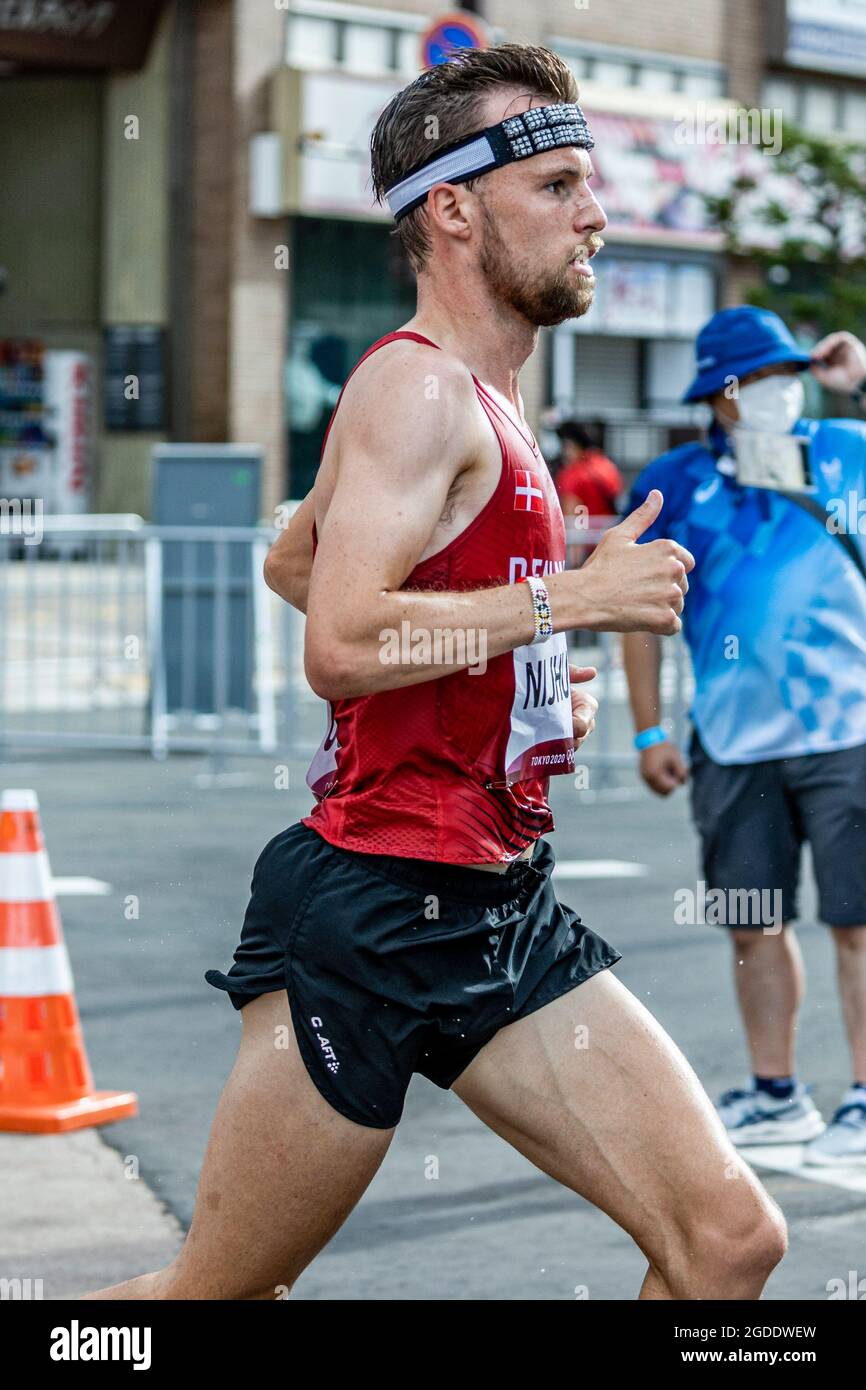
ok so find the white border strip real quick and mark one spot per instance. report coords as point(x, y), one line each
point(18, 799)
point(34, 971)
point(25, 878)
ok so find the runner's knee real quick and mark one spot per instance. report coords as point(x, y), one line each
point(717, 1252)
point(741, 1241)
point(757, 1242)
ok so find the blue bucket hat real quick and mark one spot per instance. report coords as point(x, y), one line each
point(738, 341)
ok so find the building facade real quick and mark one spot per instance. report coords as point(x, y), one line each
point(662, 273)
point(188, 206)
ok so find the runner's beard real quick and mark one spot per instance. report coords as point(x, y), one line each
point(544, 299)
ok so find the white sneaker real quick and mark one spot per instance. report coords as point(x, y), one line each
point(754, 1117)
point(844, 1139)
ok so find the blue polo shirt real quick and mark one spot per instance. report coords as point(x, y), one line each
point(775, 617)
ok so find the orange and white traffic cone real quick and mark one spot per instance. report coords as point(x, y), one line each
point(45, 1081)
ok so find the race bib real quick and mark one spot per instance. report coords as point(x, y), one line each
point(541, 739)
point(322, 772)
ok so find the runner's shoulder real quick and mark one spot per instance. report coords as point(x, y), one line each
point(416, 381)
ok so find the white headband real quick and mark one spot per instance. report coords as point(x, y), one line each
point(536, 131)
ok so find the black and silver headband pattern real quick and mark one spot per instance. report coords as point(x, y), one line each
point(531, 132)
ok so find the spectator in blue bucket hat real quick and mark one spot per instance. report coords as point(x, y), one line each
point(735, 343)
point(776, 626)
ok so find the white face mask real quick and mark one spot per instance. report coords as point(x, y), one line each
point(772, 404)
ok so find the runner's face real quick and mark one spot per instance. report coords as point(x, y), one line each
point(540, 226)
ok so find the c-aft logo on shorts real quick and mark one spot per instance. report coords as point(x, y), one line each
point(330, 1055)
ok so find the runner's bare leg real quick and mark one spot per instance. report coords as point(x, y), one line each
point(618, 1115)
point(282, 1171)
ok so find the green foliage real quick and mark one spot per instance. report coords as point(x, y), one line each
point(810, 244)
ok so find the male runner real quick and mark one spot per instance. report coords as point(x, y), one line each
point(409, 923)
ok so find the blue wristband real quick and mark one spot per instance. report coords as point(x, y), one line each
point(647, 737)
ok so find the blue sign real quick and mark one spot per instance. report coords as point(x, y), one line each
point(445, 35)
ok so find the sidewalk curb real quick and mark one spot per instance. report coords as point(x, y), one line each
point(73, 1219)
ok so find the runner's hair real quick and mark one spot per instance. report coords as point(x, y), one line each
point(444, 105)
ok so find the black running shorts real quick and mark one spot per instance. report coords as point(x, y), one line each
point(394, 965)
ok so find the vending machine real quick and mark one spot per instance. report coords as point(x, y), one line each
point(25, 447)
point(69, 421)
point(46, 426)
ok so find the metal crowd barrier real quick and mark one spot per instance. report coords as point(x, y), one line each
point(85, 662)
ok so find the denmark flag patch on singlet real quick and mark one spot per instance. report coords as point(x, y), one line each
point(528, 493)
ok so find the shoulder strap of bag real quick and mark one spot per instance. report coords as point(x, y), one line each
point(817, 509)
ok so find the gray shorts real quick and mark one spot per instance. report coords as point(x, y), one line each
point(754, 817)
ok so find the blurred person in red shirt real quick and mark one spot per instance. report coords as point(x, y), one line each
point(585, 478)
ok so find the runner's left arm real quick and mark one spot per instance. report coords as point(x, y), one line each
point(290, 559)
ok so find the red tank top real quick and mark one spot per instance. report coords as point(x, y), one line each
point(457, 768)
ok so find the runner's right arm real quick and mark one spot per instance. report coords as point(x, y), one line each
point(398, 451)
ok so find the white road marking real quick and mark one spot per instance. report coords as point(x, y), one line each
point(599, 868)
point(225, 779)
point(788, 1158)
point(80, 887)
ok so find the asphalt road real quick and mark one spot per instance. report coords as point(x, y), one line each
point(178, 848)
